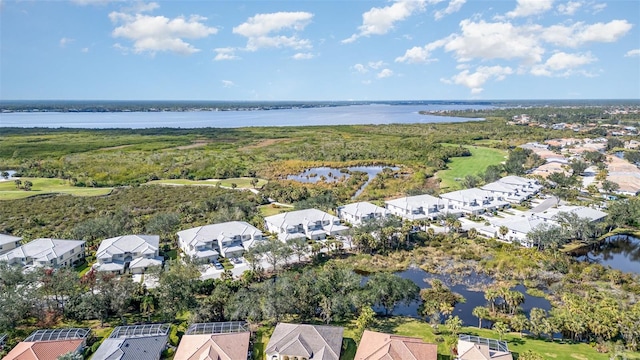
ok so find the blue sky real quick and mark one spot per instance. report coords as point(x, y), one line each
point(319, 50)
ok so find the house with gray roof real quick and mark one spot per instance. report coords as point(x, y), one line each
point(134, 253)
point(594, 215)
point(137, 342)
point(46, 253)
point(312, 342)
point(8, 243)
point(475, 201)
point(229, 239)
point(309, 223)
point(421, 207)
point(361, 212)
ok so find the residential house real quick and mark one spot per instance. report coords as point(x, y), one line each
point(311, 342)
point(475, 201)
point(514, 189)
point(381, 346)
point(361, 212)
point(8, 242)
point(139, 342)
point(49, 344)
point(477, 348)
point(310, 223)
point(550, 215)
point(222, 340)
point(46, 253)
point(517, 229)
point(129, 252)
point(229, 239)
point(421, 207)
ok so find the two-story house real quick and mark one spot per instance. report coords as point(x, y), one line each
point(361, 212)
point(133, 253)
point(51, 253)
point(309, 223)
point(8, 243)
point(421, 207)
point(475, 201)
point(229, 239)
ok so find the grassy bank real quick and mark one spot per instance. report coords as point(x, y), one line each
point(241, 183)
point(43, 186)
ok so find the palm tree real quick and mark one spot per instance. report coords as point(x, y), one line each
point(481, 313)
point(18, 183)
point(519, 323)
point(501, 328)
point(491, 295)
point(472, 233)
point(503, 231)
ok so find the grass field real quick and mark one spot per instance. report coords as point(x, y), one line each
point(269, 210)
point(242, 183)
point(8, 190)
point(459, 167)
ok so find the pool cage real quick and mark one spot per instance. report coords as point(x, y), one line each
point(217, 328)
point(140, 331)
point(57, 334)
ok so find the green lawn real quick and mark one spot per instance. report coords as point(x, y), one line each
point(459, 167)
point(269, 209)
point(8, 190)
point(243, 182)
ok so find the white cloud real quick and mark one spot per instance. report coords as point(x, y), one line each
point(227, 53)
point(598, 7)
point(379, 21)
point(498, 40)
point(158, 33)
point(419, 54)
point(261, 29)
point(476, 80)
point(302, 56)
point(121, 48)
point(530, 7)
point(454, 6)
point(579, 33)
point(569, 8)
point(562, 64)
point(228, 84)
point(376, 64)
point(633, 53)
point(84, 50)
point(92, 2)
point(385, 73)
point(66, 41)
point(360, 68)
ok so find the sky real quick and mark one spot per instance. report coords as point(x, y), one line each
point(319, 50)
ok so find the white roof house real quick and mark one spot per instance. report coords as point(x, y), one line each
point(361, 212)
point(310, 223)
point(475, 201)
point(514, 189)
point(592, 214)
point(229, 239)
point(46, 253)
point(421, 207)
point(133, 252)
point(8, 242)
point(518, 228)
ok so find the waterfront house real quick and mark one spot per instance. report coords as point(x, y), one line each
point(478, 348)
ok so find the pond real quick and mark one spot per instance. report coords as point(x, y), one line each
point(621, 252)
point(10, 172)
point(468, 289)
point(329, 174)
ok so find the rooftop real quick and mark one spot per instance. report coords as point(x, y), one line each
point(217, 327)
point(57, 334)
